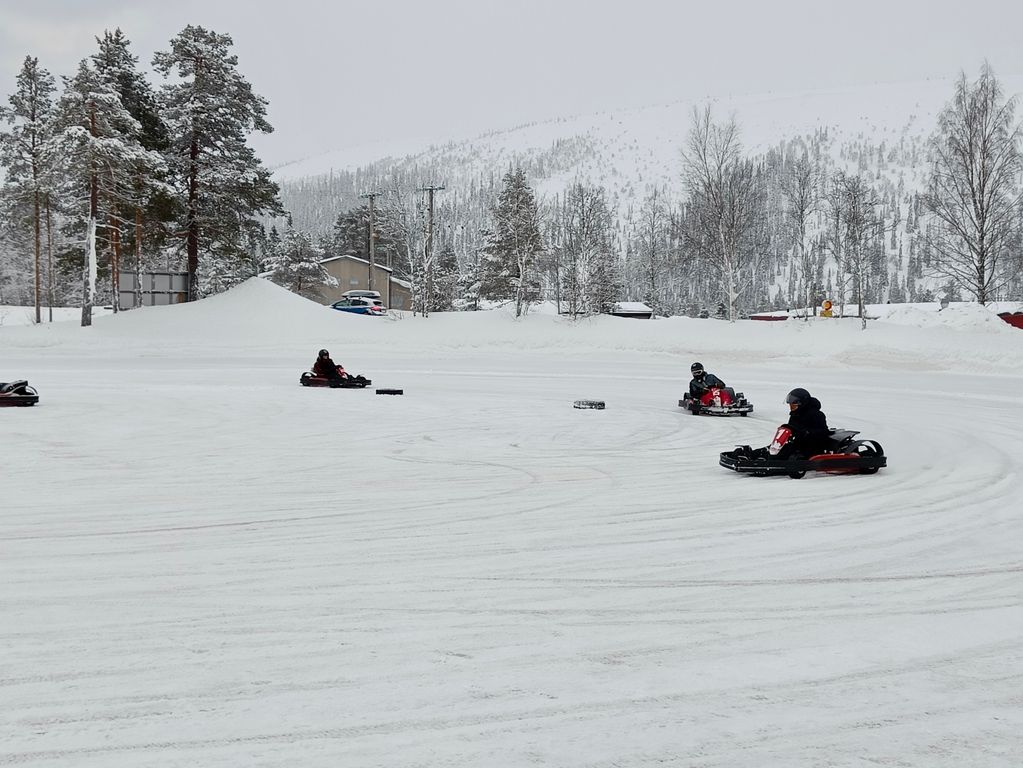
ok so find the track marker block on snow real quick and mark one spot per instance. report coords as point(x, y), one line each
point(597, 405)
point(390, 391)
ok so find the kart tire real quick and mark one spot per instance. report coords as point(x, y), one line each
point(595, 405)
point(867, 450)
point(797, 474)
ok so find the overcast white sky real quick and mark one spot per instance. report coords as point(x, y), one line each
point(343, 73)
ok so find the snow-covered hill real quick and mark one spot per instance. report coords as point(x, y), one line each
point(633, 151)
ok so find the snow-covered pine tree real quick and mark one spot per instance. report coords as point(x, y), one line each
point(210, 109)
point(510, 257)
point(26, 163)
point(147, 200)
point(296, 266)
point(95, 139)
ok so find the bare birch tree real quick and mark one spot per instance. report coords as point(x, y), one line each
point(725, 197)
point(855, 206)
point(800, 189)
point(974, 192)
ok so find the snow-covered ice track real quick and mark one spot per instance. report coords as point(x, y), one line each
point(203, 572)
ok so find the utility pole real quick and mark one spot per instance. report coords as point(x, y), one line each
point(427, 263)
point(372, 237)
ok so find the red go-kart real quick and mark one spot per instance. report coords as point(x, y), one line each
point(842, 455)
point(717, 401)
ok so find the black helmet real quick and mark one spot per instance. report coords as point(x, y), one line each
point(696, 369)
point(324, 353)
point(799, 396)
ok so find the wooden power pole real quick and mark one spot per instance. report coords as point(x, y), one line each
point(372, 235)
point(427, 264)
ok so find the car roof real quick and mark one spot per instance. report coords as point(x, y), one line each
point(361, 294)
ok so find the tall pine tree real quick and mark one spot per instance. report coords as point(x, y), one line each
point(96, 140)
point(23, 155)
point(148, 198)
point(511, 254)
point(210, 109)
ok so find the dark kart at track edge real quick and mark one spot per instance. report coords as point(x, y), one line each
point(310, 379)
point(17, 393)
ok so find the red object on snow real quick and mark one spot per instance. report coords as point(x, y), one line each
point(1015, 319)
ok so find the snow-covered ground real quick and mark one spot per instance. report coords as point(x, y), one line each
point(962, 315)
point(204, 564)
point(11, 314)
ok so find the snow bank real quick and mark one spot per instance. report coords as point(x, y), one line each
point(964, 316)
point(11, 314)
point(260, 318)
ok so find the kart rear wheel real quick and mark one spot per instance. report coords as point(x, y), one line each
point(868, 450)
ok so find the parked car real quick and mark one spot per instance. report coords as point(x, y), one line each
point(361, 303)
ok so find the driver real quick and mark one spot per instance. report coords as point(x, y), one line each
point(702, 381)
point(808, 423)
point(327, 368)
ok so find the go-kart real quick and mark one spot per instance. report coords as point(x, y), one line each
point(843, 454)
point(347, 381)
point(717, 401)
point(17, 393)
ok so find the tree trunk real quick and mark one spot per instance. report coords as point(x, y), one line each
point(138, 257)
point(38, 252)
point(192, 241)
point(115, 259)
point(89, 269)
point(49, 258)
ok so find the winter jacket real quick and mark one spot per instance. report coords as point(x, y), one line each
point(697, 387)
point(327, 368)
point(809, 427)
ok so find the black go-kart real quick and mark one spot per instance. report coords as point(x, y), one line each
point(843, 455)
point(17, 393)
point(310, 379)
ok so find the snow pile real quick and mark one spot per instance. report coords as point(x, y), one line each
point(963, 316)
point(259, 318)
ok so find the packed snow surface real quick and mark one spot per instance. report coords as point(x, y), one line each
point(204, 564)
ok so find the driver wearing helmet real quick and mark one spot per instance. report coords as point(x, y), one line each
point(326, 367)
point(702, 381)
point(808, 423)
